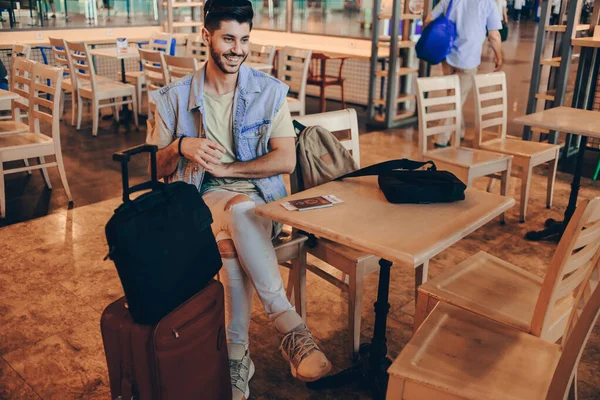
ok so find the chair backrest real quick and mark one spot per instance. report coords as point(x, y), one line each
point(292, 69)
point(195, 47)
point(161, 42)
point(44, 98)
point(564, 374)
point(335, 122)
point(19, 50)
point(21, 73)
point(178, 67)
point(438, 114)
point(261, 54)
point(577, 254)
point(153, 66)
point(62, 58)
point(490, 106)
point(82, 64)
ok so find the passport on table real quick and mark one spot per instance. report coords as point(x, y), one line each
point(311, 203)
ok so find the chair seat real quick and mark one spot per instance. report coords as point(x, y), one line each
point(107, 90)
point(287, 246)
point(22, 140)
point(489, 286)
point(135, 77)
point(328, 80)
point(459, 355)
point(523, 148)
point(8, 127)
point(338, 256)
point(465, 157)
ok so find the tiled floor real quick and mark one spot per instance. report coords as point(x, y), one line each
point(54, 284)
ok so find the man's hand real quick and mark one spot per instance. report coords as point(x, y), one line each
point(221, 170)
point(498, 64)
point(205, 152)
point(496, 43)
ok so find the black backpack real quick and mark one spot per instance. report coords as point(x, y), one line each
point(161, 243)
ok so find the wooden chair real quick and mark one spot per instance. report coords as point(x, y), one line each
point(434, 117)
point(178, 67)
point(496, 289)
point(460, 355)
point(61, 57)
point(352, 263)
point(261, 54)
point(195, 48)
point(89, 87)
point(317, 76)
point(292, 69)
point(18, 51)
point(21, 72)
point(491, 88)
point(155, 74)
point(45, 81)
point(158, 42)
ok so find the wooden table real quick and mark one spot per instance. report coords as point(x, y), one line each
point(405, 234)
point(571, 120)
point(132, 53)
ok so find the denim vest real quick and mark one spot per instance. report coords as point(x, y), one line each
point(258, 97)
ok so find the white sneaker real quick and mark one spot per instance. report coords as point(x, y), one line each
point(307, 361)
point(241, 369)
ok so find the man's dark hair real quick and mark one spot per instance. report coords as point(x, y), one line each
point(216, 11)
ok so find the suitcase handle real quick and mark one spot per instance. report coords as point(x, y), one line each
point(124, 156)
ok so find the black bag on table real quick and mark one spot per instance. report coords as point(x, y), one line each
point(161, 243)
point(402, 182)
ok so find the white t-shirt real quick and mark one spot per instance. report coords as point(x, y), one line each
point(501, 4)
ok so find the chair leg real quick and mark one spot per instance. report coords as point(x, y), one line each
point(95, 117)
point(355, 301)
point(61, 171)
point(73, 109)
point(134, 108)
point(551, 180)
point(322, 106)
point(2, 195)
point(26, 162)
point(573, 388)
point(504, 182)
point(79, 111)
point(299, 278)
point(44, 172)
point(115, 111)
point(525, 185)
point(289, 291)
point(139, 96)
point(421, 309)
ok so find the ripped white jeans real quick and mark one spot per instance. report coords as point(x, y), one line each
point(255, 265)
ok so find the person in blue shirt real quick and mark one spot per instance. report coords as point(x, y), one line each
point(472, 18)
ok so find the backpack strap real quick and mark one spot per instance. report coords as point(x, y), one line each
point(386, 166)
point(449, 8)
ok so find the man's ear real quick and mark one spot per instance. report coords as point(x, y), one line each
point(206, 36)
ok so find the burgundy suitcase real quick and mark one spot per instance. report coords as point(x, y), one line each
point(184, 356)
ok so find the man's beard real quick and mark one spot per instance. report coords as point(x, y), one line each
point(218, 59)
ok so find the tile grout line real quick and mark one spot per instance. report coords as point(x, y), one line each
point(19, 375)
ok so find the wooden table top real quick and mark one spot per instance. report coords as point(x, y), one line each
point(586, 42)
point(6, 95)
point(408, 234)
point(132, 52)
point(565, 119)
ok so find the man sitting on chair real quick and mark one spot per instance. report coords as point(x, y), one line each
point(227, 129)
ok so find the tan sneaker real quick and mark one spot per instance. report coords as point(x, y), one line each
point(241, 369)
point(307, 361)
